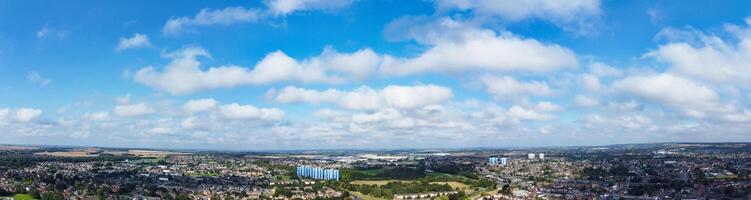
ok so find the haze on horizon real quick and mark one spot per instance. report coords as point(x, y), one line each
point(366, 74)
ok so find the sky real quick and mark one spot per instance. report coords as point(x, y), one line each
point(373, 74)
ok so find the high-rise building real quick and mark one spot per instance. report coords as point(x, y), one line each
point(504, 161)
point(317, 173)
point(493, 161)
point(542, 156)
point(531, 156)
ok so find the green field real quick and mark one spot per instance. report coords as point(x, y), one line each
point(22, 197)
point(488, 192)
point(365, 197)
point(445, 175)
point(282, 177)
point(456, 185)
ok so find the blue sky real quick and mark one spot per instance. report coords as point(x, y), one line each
point(308, 74)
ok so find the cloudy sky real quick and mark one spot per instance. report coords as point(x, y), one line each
point(350, 74)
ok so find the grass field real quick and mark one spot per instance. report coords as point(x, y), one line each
point(67, 154)
point(488, 192)
point(283, 177)
point(455, 185)
point(380, 182)
point(22, 197)
point(365, 197)
point(445, 175)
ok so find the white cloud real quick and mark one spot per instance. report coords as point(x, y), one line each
point(415, 96)
point(508, 88)
point(35, 78)
point(4, 113)
point(362, 98)
point(590, 82)
point(631, 105)
point(575, 15)
point(43, 32)
point(516, 114)
point(468, 49)
point(184, 74)
point(585, 101)
point(604, 70)
point(655, 15)
point(357, 65)
point(546, 106)
point(199, 105)
point(455, 46)
point(617, 122)
point(207, 17)
point(428, 30)
point(161, 126)
point(365, 98)
point(132, 110)
point(123, 99)
point(238, 14)
point(21, 115)
point(98, 116)
point(195, 123)
point(378, 116)
point(47, 31)
point(137, 41)
point(237, 111)
point(742, 116)
point(27, 114)
point(283, 7)
point(708, 57)
point(683, 94)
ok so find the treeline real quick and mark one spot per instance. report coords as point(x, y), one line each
point(452, 168)
point(417, 173)
point(288, 190)
point(25, 161)
point(49, 195)
point(392, 188)
point(398, 173)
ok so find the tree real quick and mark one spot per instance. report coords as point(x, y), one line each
point(3, 192)
point(52, 196)
point(506, 190)
point(35, 194)
point(457, 196)
point(377, 192)
point(182, 196)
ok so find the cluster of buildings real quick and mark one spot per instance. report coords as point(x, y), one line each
point(531, 156)
point(503, 160)
point(669, 171)
point(317, 173)
point(497, 161)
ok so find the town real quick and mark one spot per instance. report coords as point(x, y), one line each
point(639, 171)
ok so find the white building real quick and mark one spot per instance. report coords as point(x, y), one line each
point(504, 161)
point(542, 156)
point(493, 161)
point(531, 156)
